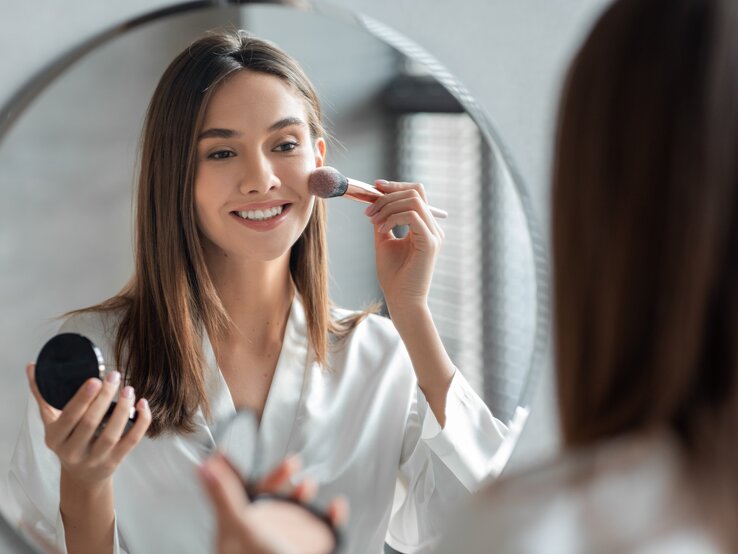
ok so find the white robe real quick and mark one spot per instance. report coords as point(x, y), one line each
point(631, 494)
point(362, 428)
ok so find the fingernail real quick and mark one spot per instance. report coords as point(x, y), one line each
point(144, 404)
point(113, 377)
point(383, 228)
point(294, 462)
point(381, 182)
point(369, 210)
point(206, 473)
point(127, 392)
point(92, 386)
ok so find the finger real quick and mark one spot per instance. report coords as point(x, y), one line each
point(116, 424)
point(224, 487)
point(61, 430)
point(134, 434)
point(305, 491)
point(393, 186)
point(338, 512)
point(48, 413)
point(413, 203)
point(390, 187)
point(382, 201)
point(421, 236)
point(279, 479)
point(87, 426)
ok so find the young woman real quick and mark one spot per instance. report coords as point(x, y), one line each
point(228, 309)
point(645, 236)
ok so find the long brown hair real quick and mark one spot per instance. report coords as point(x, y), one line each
point(170, 301)
point(645, 231)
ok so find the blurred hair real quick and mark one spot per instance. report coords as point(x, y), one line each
point(170, 301)
point(645, 231)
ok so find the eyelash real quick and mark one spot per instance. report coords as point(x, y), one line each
point(292, 146)
point(219, 155)
point(225, 154)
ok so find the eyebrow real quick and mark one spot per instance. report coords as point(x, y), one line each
point(287, 122)
point(230, 133)
point(218, 133)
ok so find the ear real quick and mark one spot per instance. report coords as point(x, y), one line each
point(319, 152)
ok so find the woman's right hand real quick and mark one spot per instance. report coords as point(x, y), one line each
point(85, 458)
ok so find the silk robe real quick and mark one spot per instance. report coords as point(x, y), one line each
point(361, 427)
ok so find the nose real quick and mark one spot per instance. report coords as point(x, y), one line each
point(257, 175)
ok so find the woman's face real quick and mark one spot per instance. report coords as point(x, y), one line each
point(254, 157)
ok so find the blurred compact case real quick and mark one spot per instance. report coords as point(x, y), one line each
point(65, 362)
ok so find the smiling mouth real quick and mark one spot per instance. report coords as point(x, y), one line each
point(261, 215)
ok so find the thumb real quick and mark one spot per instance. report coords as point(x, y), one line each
point(48, 413)
point(224, 487)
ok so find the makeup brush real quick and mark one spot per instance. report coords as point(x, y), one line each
point(327, 182)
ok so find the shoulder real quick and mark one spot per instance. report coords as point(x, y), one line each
point(374, 325)
point(373, 343)
point(588, 470)
point(568, 504)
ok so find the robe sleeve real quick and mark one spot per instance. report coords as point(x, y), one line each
point(34, 484)
point(440, 468)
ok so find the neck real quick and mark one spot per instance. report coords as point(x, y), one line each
point(256, 295)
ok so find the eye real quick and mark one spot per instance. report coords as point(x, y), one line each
point(288, 146)
point(221, 155)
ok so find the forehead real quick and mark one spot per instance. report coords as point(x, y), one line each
point(252, 99)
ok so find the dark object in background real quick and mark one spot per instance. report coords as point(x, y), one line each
point(65, 362)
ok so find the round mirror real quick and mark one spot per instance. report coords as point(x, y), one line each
point(68, 163)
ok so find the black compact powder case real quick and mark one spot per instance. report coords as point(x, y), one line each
point(65, 362)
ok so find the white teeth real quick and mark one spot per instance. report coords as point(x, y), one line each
point(261, 215)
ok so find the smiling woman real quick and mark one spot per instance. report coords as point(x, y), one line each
point(255, 172)
point(228, 308)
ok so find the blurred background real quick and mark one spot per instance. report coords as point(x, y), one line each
point(67, 167)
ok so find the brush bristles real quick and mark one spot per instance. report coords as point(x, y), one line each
point(327, 182)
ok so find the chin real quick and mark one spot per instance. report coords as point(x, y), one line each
point(263, 254)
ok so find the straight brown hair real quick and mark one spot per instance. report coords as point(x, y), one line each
point(170, 301)
point(645, 232)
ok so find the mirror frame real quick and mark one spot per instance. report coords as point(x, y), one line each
point(24, 96)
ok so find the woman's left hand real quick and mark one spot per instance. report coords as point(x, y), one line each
point(242, 529)
point(404, 265)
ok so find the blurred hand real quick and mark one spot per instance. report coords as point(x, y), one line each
point(89, 459)
point(405, 265)
point(242, 528)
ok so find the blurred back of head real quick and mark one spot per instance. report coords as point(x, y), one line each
point(645, 231)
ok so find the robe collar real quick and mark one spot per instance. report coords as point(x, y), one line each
point(283, 400)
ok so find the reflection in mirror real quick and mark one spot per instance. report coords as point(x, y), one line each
point(68, 168)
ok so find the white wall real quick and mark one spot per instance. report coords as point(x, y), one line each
point(510, 55)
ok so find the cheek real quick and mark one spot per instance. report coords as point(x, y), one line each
point(311, 206)
point(309, 214)
point(203, 202)
point(297, 170)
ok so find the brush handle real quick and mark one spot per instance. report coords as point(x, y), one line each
point(364, 192)
point(438, 213)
